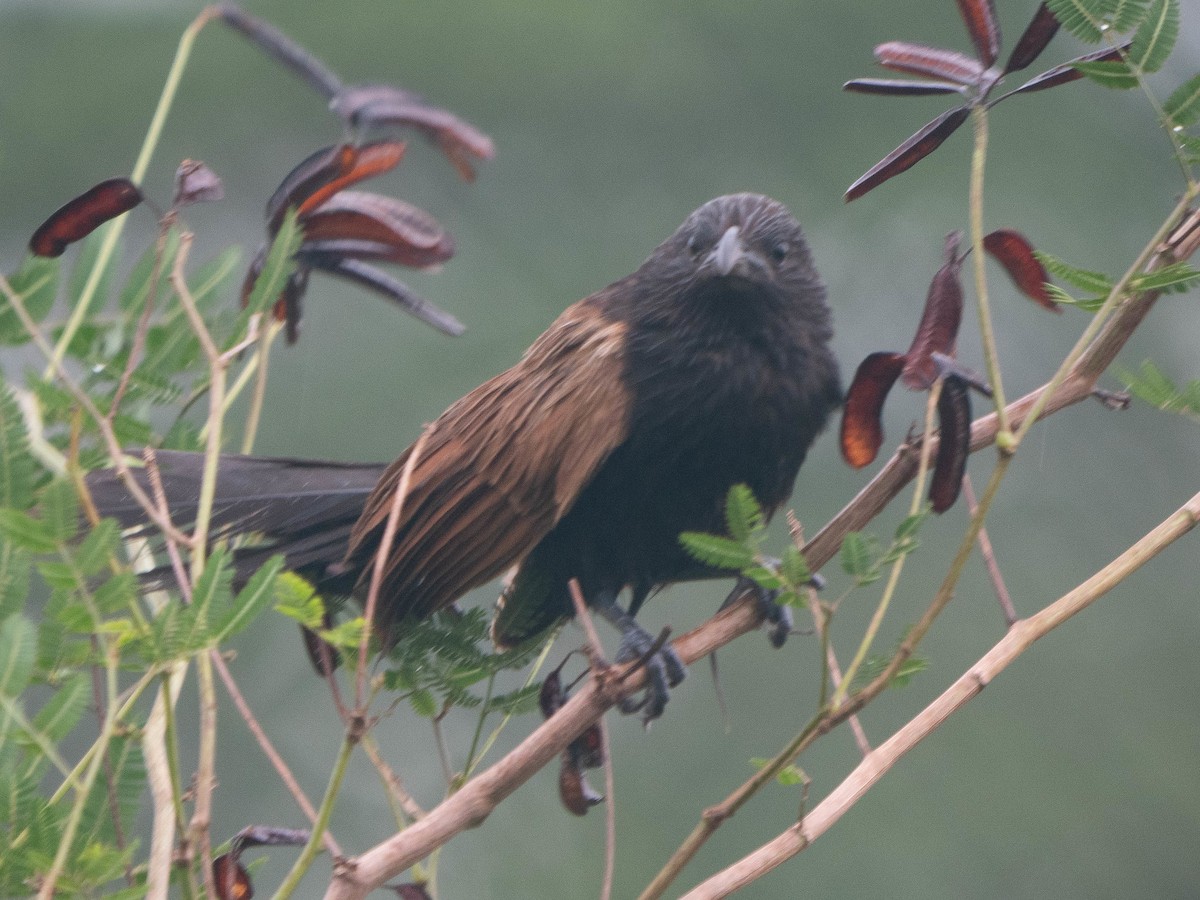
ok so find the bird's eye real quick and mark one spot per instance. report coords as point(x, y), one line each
point(779, 251)
point(694, 244)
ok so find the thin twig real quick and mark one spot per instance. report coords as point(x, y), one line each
point(989, 558)
point(968, 686)
point(393, 782)
point(381, 561)
point(268, 749)
point(610, 799)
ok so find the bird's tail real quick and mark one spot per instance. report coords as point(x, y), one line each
point(301, 508)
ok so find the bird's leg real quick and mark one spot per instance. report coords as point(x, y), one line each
point(664, 668)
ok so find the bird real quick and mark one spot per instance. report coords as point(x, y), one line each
point(623, 425)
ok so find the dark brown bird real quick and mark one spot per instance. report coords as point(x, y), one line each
point(625, 424)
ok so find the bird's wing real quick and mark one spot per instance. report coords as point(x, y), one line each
point(498, 469)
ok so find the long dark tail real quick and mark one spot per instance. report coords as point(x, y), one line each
point(301, 508)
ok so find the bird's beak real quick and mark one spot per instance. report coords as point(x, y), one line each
point(728, 252)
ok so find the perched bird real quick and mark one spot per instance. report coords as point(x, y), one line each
point(625, 424)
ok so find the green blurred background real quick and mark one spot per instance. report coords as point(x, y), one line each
point(1074, 774)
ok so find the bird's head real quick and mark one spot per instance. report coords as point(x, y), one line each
point(741, 255)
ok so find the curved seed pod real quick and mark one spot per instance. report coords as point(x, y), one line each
point(911, 152)
point(1066, 72)
point(1015, 253)
point(980, 16)
point(324, 173)
point(1038, 33)
point(315, 170)
point(389, 287)
point(551, 695)
point(407, 234)
point(862, 425)
point(231, 881)
point(382, 105)
point(369, 160)
point(573, 789)
point(938, 330)
point(918, 59)
point(80, 216)
point(954, 443)
point(895, 87)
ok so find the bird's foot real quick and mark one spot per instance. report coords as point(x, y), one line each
point(664, 668)
point(777, 617)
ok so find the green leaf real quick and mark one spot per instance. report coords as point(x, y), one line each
point(791, 775)
point(1083, 18)
point(1176, 278)
point(116, 594)
point(875, 666)
point(794, 568)
point(1085, 280)
point(278, 265)
point(743, 515)
point(1126, 14)
point(423, 703)
point(60, 510)
point(36, 283)
point(1156, 36)
point(857, 558)
point(763, 577)
point(26, 531)
point(907, 529)
point(251, 600)
point(15, 569)
point(1150, 385)
point(100, 545)
point(1183, 106)
point(62, 711)
point(297, 599)
point(1113, 73)
point(1061, 297)
point(18, 472)
point(18, 650)
point(716, 551)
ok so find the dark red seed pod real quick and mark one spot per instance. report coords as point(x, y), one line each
point(900, 88)
point(384, 284)
point(911, 152)
point(406, 234)
point(587, 750)
point(1062, 74)
point(862, 422)
point(954, 443)
point(938, 330)
point(551, 697)
point(573, 789)
point(369, 160)
point(231, 881)
point(315, 170)
point(1015, 253)
point(79, 217)
point(980, 16)
point(1038, 33)
point(918, 59)
point(382, 105)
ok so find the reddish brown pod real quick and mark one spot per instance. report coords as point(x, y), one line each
point(80, 216)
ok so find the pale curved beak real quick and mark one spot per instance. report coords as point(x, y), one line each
point(728, 252)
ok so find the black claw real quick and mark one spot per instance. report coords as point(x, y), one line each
point(664, 668)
